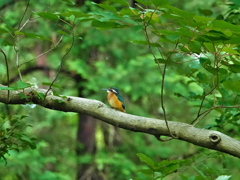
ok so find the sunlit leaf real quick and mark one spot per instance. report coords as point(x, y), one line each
point(225, 25)
point(223, 177)
point(22, 85)
point(6, 88)
point(230, 50)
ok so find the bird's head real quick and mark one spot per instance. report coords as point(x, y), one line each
point(112, 89)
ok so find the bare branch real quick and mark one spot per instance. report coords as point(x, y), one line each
point(201, 137)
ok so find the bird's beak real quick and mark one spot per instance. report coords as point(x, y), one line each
point(106, 90)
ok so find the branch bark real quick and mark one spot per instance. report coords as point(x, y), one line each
point(206, 138)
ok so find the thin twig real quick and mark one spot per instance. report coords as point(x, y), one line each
point(61, 64)
point(8, 76)
point(163, 72)
point(16, 48)
point(17, 61)
point(24, 24)
point(216, 64)
point(55, 45)
point(205, 113)
point(25, 11)
point(162, 90)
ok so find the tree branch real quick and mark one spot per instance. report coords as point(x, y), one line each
point(201, 137)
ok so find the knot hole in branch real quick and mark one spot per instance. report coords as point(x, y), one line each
point(215, 138)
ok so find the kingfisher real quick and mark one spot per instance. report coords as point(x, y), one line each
point(115, 99)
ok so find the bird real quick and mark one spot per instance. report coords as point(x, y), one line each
point(115, 99)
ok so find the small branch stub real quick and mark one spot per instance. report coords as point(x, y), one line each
point(215, 138)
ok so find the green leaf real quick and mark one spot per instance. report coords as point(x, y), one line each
point(228, 33)
point(161, 60)
point(48, 15)
point(230, 50)
point(209, 47)
point(232, 85)
point(137, 27)
point(202, 77)
point(234, 68)
point(6, 88)
point(23, 96)
point(58, 101)
point(166, 163)
point(146, 160)
point(106, 25)
point(77, 14)
point(18, 33)
point(62, 32)
point(205, 12)
point(159, 2)
point(69, 2)
point(223, 177)
point(195, 47)
point(8, 43)
point(144, 2)
point(180, 13)
point(219, 24)
point(107, 7)
point(36, 36)
point(170, 168)
point(202, 19)
point(29, 142)
point(173, 37)
point(146, 43)
point(209, 126)
point(204, 61)
point(40, 95)
point(146, 172)
point(22, 85)
point(126, 12)
point(50, 84)
point(2, 30)
point(122, 2)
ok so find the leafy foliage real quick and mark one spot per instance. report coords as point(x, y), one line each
point(12, 135)
point(159, 55)
point(158, 170)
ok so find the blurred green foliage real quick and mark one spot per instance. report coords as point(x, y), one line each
point(12, 137)
point(114, 44)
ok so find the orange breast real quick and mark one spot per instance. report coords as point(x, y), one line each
point(114, 102)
